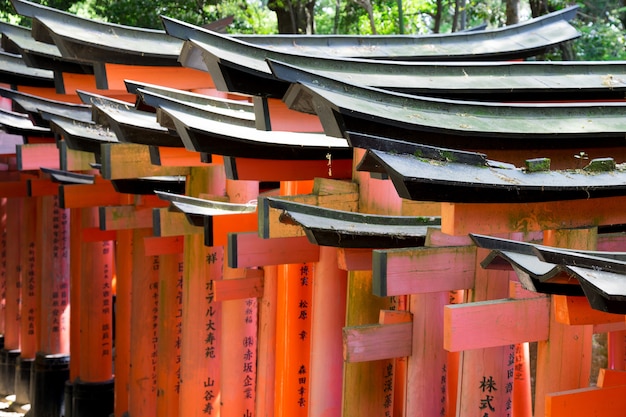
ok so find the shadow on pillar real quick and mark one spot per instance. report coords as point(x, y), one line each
point(8, 361)
point(48, 378)
point(23, 370)
point(92, 399)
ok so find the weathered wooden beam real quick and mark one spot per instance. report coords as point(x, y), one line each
point(124, 217)
point(240, 288)
point(174, 157)
point(271, 227)
point(73, 160)
point(461, 219)
point(247, 250)
point(170, 223)
point(377, 341)
point(125, 160)
point(503, 322)
point(31, 157)
point(422, 270)
point(284, 170)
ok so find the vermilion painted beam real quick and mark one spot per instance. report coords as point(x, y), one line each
point(101, 193)
point(584, 402)
point(31, 157)
point(461, 219)
point(175, 77)
point(125, 160)
point(94, 234)
point(39, 187)
point(175, 157)
point(247, 250)
point(578, 311)
point(611, 378)
point(163, 245)
point(13, 189)
point(285, 170)
point(350, 259)
point(422, 270)
point(495, 323)
point(217, 228)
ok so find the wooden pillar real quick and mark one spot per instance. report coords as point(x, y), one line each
point(93, 390)
point(564, 360)
point(266, 353)
point(31, 286)
point(239, 328)
point(3, 267)
point(143, 328)
point(123, 302)
point(13, 295)
point(201, 333)
point(328, 312)
point(171, 269)
point(51, 366)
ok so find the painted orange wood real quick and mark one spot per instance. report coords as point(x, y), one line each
point(460, 219)
point(394, 316)
point(101, 193)
point(50, 93)
point(611, 378)
point(94, 234)
point(377, 341)
point(283, 118)
point(124, 217)
point(420, 208)
point(96, 309)
point(354, 259)
point(129, 160)
point(564, 360)
point(239, 288)
point(73, 160)
point(32, 264)
point(3, 262)
point(485, 324)
point(328, 312)
point(76, 245)
point(616, 355)
point(482, 370)
point(422, 270)
point(168, 223)
point(176, 157)
point(13, 274)
point(169, 333)
point(230, 223)
point(163, 245)
point(54, 301)
point(175, 77)
point(577, 311)
point(73, 82)
point(41, 187)
point(266, 352)
point(123, 268)
point(200, 388)
point(35, 156)
point(285, 170)
point(587, 402)
point(13, 189)
point(247, 249)
point(144, 316)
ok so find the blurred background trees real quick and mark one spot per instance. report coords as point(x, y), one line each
point(601, 22)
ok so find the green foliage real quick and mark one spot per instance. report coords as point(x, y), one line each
point(603, 36)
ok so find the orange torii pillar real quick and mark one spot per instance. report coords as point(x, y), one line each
point(93, 386)
point(30, 255)
point(11, 350)
point(293, 324)
point(51, 366)
point(3, 268)
point(200, 353)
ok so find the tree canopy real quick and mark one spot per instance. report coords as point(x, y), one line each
point(601, 22)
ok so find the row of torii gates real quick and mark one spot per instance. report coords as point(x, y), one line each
point(269, 324)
